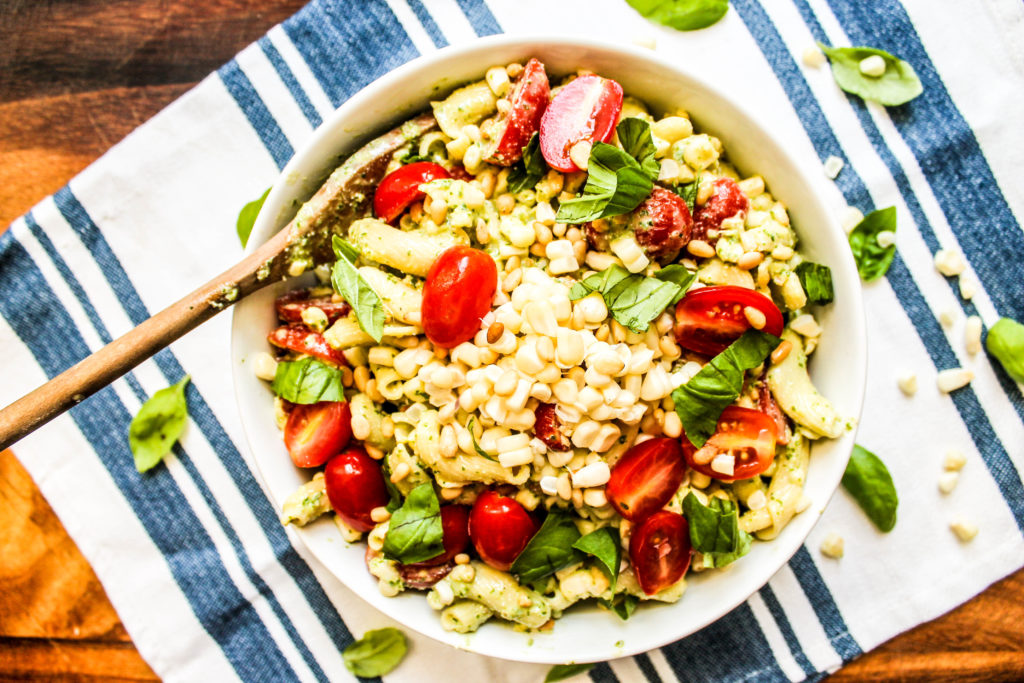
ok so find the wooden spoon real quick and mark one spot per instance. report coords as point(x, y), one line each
point(305, 242)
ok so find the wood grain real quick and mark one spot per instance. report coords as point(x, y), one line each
point(76, 76)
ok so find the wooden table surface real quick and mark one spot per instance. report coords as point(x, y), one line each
point(76, 76)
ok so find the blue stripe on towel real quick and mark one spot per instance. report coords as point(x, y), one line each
point(480, 16)
point(644, 662)
point(290, 82)
point(429, 25)
point(252, 105)
point(824, 605)
point(788, 634)
point(602, 673)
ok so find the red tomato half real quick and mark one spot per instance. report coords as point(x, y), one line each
point(291, 305)
point(710, 318)
point(749, 435)
point(455, 523)
point(400, 188)
point(299, 338)
point(457, 294)
point(317, 431)
point(529, 99)
point(548, 428)
point(355, 486)
point(662, 224)
point(500, 528)
point(660, 550)
point(585, 109)
point(726, 200)
point(645, 478)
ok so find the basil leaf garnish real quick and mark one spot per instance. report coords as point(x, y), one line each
point(395, 500)
point(158, 425)
point(479, 451)
point(635, 300)
point(528, 171)
point(898, 85)
point(605, 546)
point(689, 193)
point(683, 15)
point(700, 402)
point(637, 141)
point(550, 549)
point(357, 291)
point(816, 280)
point(681, 276)
point(307, 380)
point(715, 531)
point(376, 653)
point(346, 248)
point(247, 217)
point(873, 259)
point(1005, 341)
point(624, 605)
point(560, 672)
point(869, 482)
point(415, 532)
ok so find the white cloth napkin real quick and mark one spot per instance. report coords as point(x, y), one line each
point(209, 585)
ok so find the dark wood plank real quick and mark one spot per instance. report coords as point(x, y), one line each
point(53, 659)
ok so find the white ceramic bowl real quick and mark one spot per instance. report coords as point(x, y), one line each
point(584, 634)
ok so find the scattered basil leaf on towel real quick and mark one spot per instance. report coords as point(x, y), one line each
point(605, 546)
point(816, 280)
point(689, 193)
point(528, 171)
point(683, 15)
point(700, 402)
point(247, 217)
point(898, 85)
point(158, 425)
point(415, 532)
point(306, 381)
point(550, 549)
point(635, 300)
point(357, 291)
point(869, 482)
point(1005, 341)
point(715, 530)
point(637, 141)
point(560, 672)
point(872, 258)
point(376, 653)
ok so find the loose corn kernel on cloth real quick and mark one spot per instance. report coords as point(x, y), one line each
point(208, 583)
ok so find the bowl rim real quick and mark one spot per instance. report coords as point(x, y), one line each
point(283, 190)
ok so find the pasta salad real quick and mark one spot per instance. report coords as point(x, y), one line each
point(562, 357)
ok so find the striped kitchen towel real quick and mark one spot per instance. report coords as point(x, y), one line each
point(205, 579)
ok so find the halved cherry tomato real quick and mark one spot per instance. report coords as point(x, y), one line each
point(455, 524)
point(746, 434)
point(662, 224)
point(726, 200)
point(400, 188)
point(529, 99)
point(457, 294)
point(584, 110)
point(299, 338)
point(548, 428)
point(355, 486)
point(291, 305)
point(660, 550)
point(710, 318)
point(317, 431)
point(767, 405)
point(500, 528)
point(645, 478)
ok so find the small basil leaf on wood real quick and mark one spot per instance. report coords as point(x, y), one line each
point(817, 282)
point(306, 381)
point(560, 672)
point(898, 85)
point(347, 281)
point(683, 15)
point(1005, 341)
point(247, 217)
point(528, 171)
point(605, 546)
point(550, 549)
point(872, 258)
point(715, 531)
point(158, 425)
point(868, 480)
point(376, 653)
point(700, 402)
point(415, 532)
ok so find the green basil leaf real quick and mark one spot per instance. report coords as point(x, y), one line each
point(683, 15)
point(395, 500)
point(560, 672)
point(599, 282)
point(479, 451)
point(357, 292)
point(528, 171)
point(307, 380)
point(700, 402)
point(898, 85)
point(689, 193)
point(346, 248)
point(616, 184)
point(1005, 341)
point(376, 653)
point(414, 158)
point(817, 282)
point(158, 425)
point(415, 532)
point(605, 545)
point(869, 482)
point(623, 605)
point(872, 258)
point(635, 138)
point(715, 531)
point(550, 549)
point(634, 300)
point(247, 217)
point(681, 276)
